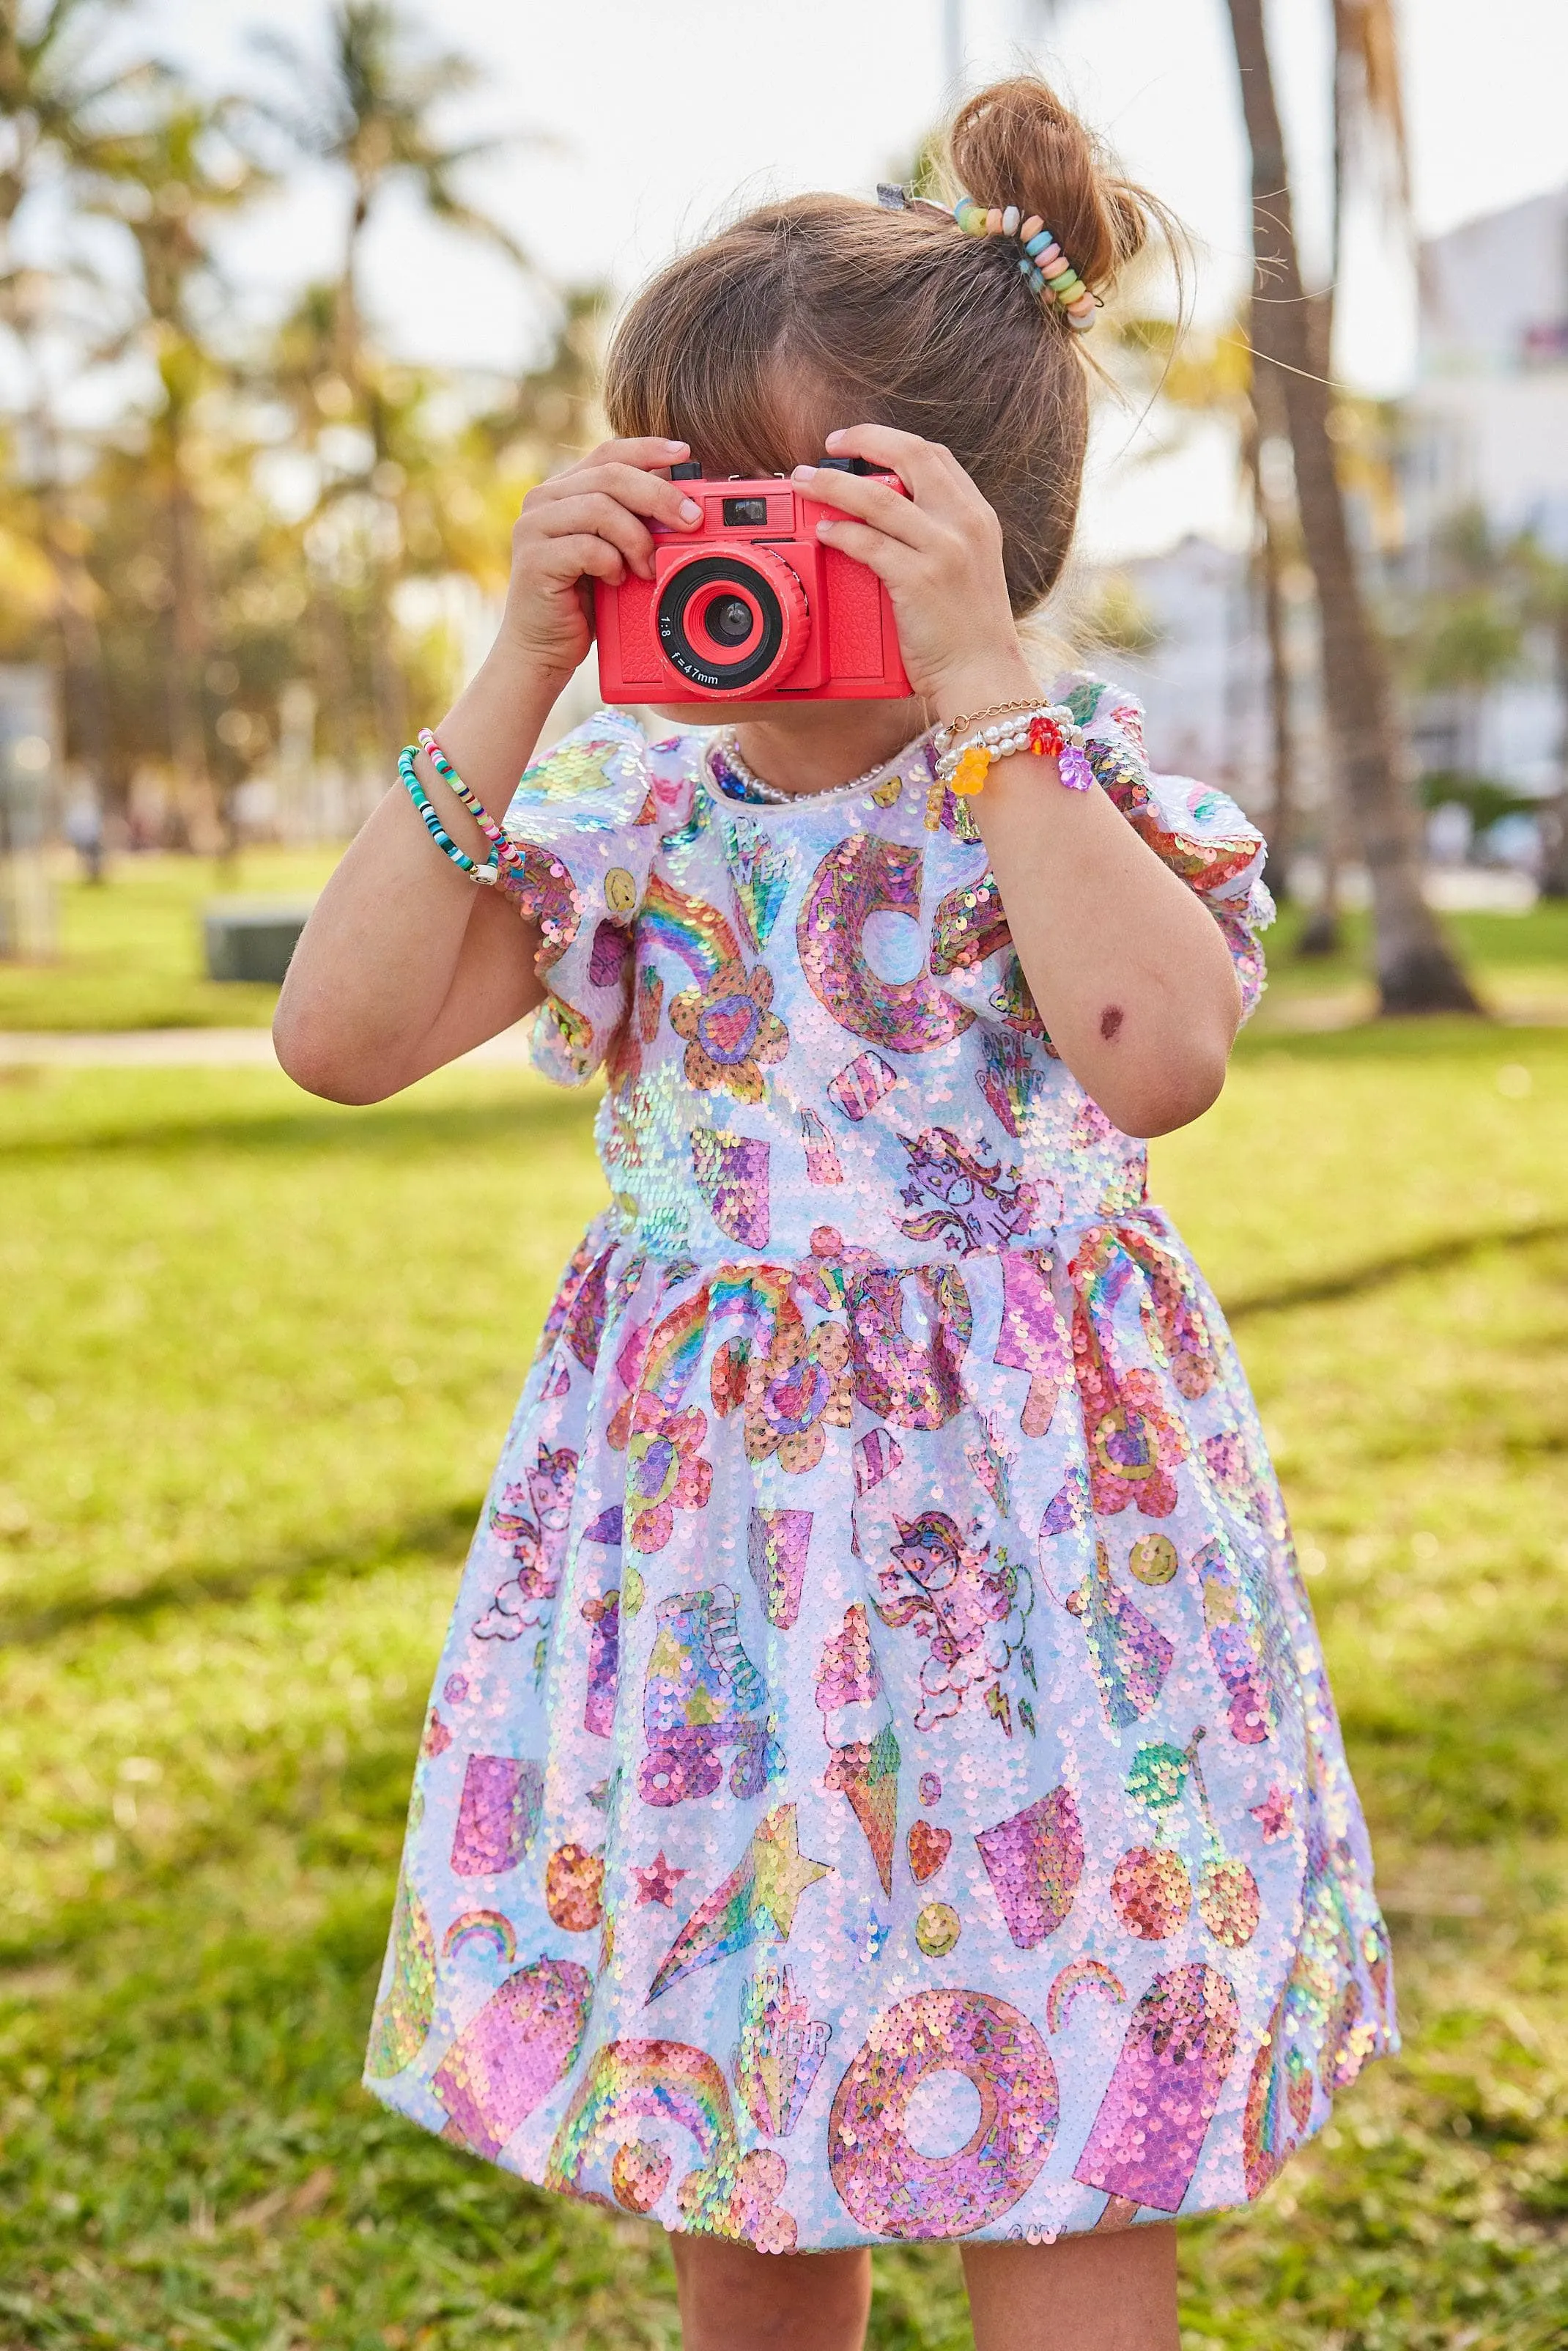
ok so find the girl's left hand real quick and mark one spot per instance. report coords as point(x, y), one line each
point(940, 554)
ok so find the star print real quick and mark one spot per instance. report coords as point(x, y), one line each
point(911, 1195)
point(1275, 1815)
point(756, 1902)
point(868, 1942)
point(783, 1871)
point(658, 1884)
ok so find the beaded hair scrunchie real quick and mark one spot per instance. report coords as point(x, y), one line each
point(1042, 265)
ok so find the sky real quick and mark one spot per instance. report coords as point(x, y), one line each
point(639, 122)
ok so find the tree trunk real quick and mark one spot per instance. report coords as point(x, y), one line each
point(1555, 815)
point(187, 723)
point(1282, 810)
point(1417, 970)
point(1270, 557)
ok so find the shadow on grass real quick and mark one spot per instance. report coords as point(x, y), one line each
point(439, 1537)
point(383, 1127)
point(235, 2059)
point(1355, 1282)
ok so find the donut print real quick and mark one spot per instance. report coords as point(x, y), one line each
point(885, 2181)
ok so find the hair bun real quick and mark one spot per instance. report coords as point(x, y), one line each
point(1016, 143)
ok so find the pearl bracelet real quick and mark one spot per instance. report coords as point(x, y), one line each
point(966, 752)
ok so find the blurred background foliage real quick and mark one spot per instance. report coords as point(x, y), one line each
point(240, 531)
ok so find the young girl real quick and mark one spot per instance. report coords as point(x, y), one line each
point(881, 1781)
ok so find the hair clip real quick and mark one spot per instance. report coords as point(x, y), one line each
point(897, 200)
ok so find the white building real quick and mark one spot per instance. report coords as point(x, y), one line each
point(1486, 428)
point(1202, 678)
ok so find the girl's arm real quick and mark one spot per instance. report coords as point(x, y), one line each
point(1130, 972)
point(404, 964)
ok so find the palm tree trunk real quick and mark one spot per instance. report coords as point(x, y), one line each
point(1282, 810)
point(1269, 565)
point(1417, 970)
point(187, 628)
point(1554, 816)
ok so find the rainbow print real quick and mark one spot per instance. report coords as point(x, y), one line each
point(481, 1927)
point(674, 1350)
point(668, 2081)
point(696, 932)
point(407, 1999)
point(755, 1296)
point(1081, 1975)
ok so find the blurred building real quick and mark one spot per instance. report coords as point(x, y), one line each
point(1486, 433)
point(1487, 422)
point(1182, 630)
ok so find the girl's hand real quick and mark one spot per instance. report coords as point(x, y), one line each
point(588, 523)
point(939, 553)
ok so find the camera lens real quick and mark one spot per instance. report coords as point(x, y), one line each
point(729, 620)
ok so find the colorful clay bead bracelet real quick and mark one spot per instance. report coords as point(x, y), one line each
point(1042, 265)
point(1046, 729)
point(490, 871)
point(470, 800)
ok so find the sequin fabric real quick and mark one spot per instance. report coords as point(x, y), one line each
point(881, 1781)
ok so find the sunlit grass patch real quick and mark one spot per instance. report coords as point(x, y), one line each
point(130, 950)
point(261, 1355)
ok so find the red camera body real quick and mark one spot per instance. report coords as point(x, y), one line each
point(750, 606)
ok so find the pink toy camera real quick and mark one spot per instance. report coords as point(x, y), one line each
point(750, 607)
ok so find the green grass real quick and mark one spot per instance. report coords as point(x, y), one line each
point(130, 949)
point(260, 1353)
point(1517, 963)
point(130, 952)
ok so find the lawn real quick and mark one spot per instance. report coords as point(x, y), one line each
point(131, 954)
point(260, 1355)
point(130, 948)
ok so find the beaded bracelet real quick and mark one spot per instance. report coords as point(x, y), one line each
point(965, 753)
point(490, 871)
point(470, 799)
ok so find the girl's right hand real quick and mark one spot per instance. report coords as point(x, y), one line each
point(587, 523)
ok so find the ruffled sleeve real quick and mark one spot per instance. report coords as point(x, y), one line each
point(587, 819)
point(1198, 831)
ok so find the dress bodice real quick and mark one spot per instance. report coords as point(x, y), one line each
point(815, 1030)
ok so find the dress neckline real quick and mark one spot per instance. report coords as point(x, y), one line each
point(916, 759)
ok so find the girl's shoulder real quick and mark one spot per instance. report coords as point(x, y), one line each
point(1194, 827)
point(607, 763)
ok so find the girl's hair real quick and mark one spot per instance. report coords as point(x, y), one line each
point(827, 311)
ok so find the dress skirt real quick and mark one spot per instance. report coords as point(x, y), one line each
point(881, 1781)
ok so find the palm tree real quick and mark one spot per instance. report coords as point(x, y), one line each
point(168, 184)
point(371, 118)
point(1213, 376)
point(55, 103)
point(1417, 970)
point(1543, 578)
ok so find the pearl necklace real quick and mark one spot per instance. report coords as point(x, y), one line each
point(770, 796)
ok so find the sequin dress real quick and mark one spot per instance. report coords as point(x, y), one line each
point(881, 1781)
